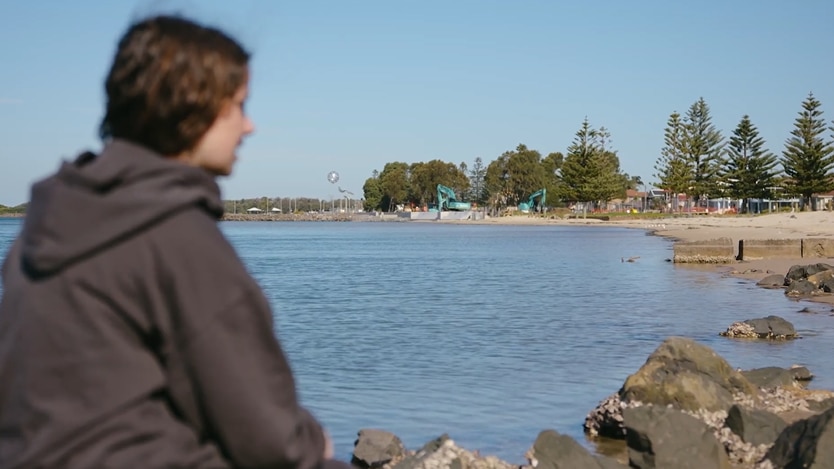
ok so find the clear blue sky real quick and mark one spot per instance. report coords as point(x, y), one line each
point(347, 86)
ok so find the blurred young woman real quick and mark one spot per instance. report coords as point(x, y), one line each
point(131, 334)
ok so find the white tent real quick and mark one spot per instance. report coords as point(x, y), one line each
point(275, 209)
point(254, 210)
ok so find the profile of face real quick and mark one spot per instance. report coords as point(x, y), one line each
point(216, 151)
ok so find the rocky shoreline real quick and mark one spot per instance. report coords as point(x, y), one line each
point(686, 407)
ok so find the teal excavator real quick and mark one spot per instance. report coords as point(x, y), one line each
point(525, 207)
point(446, 200)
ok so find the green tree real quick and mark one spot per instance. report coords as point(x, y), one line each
point(477, 188)
point(702, 149)
point(514, 176)
point(496, 181)
point(372, 191)
point(393, 181)
point(631, 182)
point(424, 178)
point(807, 158)
point(673, 170)
point(552, 164)
point(591, 172)
point(750, 169)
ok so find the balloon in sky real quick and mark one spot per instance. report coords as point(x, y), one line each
point(333, 177)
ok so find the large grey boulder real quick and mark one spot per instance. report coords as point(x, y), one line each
point(375, 448)
point(807, 443)
point(755, 426)
point(772, 281)
point(553, 450)
point(662, 437)
point(686, 375)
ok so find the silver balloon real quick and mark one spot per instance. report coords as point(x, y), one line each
point(333, 177)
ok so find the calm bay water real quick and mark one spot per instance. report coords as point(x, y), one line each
point(490, 333)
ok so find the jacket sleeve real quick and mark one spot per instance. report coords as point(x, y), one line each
point(246, 390)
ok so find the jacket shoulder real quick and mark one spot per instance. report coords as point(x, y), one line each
point(193, 255)
point(195, 233)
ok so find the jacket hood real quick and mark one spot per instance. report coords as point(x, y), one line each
point(97, 201)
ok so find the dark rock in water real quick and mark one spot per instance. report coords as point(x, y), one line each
point(687, 375)
point(807, 443)
point(801, 373)
point(553, 450)
point(772, 281)
point(771, 327)
point(755, 426)
point(660, 437)
point(801, 272)
point(801, 288)
point(375, 448)
point(770, 377)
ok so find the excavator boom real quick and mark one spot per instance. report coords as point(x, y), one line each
point(446, 200)
point(541, 194)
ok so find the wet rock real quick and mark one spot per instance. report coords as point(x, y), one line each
point(801, 288)
point(772, 281)
point(686, 375)
point(553, 450)
point(771, 327)
point(801, 373)
point(755, 426)
point(662, 437)
point(743, 436)
point(770, 377)
point(376, 448)
point(808, 443)
point(802, 272)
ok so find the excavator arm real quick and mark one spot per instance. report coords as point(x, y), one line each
point(446, 200)
point(541, 194)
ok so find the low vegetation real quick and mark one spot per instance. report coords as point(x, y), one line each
point(11, 211)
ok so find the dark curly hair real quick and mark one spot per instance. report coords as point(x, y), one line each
point(169, 80)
